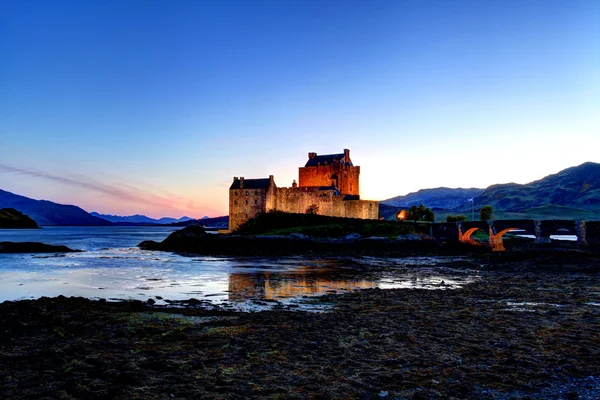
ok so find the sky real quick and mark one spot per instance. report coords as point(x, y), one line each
point(152, 107)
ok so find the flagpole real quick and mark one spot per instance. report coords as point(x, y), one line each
point(472, 200)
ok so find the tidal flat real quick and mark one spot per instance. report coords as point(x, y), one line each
point(527, 327)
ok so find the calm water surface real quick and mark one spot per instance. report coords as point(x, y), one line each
point(112, 267)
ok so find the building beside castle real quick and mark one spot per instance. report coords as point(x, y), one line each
point(327, 184)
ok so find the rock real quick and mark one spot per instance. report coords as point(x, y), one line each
point(33, 247)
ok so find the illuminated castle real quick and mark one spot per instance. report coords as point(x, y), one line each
point(327, 185)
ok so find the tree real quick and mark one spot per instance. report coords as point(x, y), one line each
point(456, 218)
point(420, 213)
point(313, 209)
point(486, 213)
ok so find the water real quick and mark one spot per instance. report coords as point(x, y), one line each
point(112, 267)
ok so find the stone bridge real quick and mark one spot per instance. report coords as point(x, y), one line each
point(586, 232)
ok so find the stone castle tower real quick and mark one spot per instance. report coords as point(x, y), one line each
point(327, 183)
point(334, 170)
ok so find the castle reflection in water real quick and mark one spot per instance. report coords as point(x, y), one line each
point(284, 285)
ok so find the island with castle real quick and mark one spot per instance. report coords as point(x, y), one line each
point(327, 185)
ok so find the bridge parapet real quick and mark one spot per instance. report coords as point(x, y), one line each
point(586, 232)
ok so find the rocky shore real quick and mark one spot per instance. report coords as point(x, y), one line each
point(528, 327)
point(193, 240)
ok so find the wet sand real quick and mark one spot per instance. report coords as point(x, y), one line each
point(528, 327)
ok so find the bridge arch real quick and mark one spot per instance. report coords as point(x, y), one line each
point(495, 240)
point(466, 237)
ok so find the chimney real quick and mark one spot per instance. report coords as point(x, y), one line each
point(241, 182)
point(347, 154)
point(294, 184)
point(271, 178)
point(311, 155)
point(235, 178)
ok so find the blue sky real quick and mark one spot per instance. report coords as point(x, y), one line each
point(153, 106)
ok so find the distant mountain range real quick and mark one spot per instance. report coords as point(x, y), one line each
point(48, 213)
point(441, 197)
point(570, 193)
point(140, 219)
point(221, 222)
point(45, 212)
point(573, 192)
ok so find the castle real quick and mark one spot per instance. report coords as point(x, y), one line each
point(327, 185)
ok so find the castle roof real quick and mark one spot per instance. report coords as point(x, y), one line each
point(250, 183)
point(327, 159)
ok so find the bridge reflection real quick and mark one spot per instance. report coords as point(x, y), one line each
point(285, 285)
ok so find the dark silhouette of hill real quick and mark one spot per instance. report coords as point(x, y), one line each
point(45, 212)
point(11, 218)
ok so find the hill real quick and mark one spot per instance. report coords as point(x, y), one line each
point(570, 193)
point(139, 219)
point(45, 212)
point(220, 222)
point(441, 197)
point(11, 218)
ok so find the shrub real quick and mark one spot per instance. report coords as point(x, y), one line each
point(456, 218)
point(486, 213)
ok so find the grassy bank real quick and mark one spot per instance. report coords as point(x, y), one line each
point(280, 223)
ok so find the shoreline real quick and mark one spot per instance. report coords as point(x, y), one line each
point(526, 328)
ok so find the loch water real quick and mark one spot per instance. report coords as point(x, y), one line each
point(112, 267)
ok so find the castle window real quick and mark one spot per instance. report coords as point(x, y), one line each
point(246, 193)
point(256, 192)
point(246, 215)
point(235, 202)
point(255, 201)
point(246, 201)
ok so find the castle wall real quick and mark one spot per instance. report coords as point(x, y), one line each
point(298, 200)
point(347, 177)
point(245, 204)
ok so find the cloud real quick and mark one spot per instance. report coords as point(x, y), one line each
point(123, 192)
